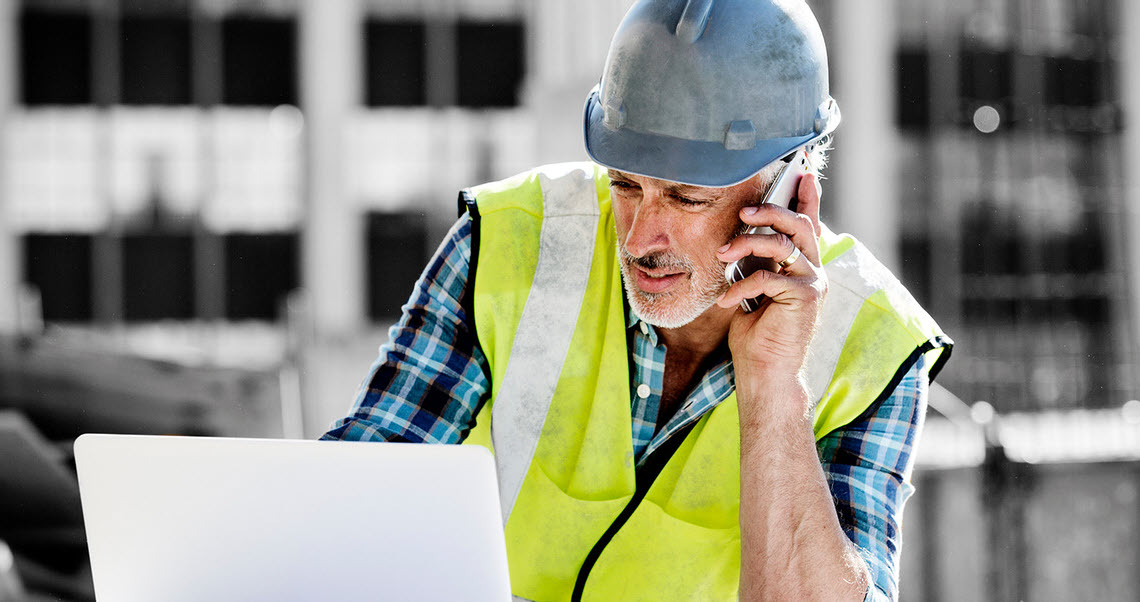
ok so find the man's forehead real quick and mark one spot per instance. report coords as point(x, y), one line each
point(674, 187)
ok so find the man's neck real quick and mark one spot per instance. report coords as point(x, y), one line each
point(702, 336)
point(689, 350)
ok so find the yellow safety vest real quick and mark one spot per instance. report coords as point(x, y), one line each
point(583, 521)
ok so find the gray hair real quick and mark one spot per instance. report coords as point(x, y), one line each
point(817, 157)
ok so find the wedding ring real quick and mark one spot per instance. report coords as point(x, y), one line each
point(790, 259)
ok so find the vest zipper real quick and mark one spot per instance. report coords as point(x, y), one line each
point(646, 475)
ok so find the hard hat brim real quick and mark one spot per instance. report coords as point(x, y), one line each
point(693, 162)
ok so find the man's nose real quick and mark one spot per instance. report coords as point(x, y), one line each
point(649, 231)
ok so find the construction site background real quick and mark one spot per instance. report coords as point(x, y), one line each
point(211, 211)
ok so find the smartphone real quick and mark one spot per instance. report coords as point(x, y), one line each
point(781, 193)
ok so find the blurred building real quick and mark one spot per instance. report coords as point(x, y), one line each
point(200, 159)
point(160, 154)
point(184, 166)
point(1014, 208)
point(1012, 149)
point(1012, 121)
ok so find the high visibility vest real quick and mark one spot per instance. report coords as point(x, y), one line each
point(582, 519)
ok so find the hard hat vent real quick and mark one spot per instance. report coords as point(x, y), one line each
point(824, 115)
point(694, 20)
point(740, 135)
point(614, 113)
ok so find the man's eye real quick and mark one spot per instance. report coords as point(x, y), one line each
point(688, 202)
point(622, 185)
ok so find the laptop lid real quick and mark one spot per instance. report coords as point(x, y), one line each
point(197, 518)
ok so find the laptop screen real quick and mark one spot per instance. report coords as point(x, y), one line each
point(187, 518)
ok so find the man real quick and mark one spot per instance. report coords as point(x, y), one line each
point(653, 440)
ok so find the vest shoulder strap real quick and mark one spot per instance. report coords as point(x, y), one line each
point(890, 324)
point(570, 214)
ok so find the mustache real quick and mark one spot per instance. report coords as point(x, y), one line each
point(656, 261)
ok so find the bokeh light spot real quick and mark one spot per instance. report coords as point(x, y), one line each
point(987, 119)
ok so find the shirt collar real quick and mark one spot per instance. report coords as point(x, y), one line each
point(632, 321)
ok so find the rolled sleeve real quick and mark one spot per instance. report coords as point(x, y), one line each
point(868, 466)
point(430, 378)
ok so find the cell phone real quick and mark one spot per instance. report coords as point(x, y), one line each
point(781, 193)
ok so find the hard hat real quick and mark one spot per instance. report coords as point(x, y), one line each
point(708, 92)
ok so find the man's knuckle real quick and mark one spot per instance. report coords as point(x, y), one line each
point(820, 288)
point(786, 243)
point(761, 276)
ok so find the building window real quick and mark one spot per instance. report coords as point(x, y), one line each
point(158, 276)
point(261, 269)
point(395, 63)
point(485, 69)
point(55, 57)
point(259, 61)
point(490, 64)
point(912, 74)
point(58, 265)
point(397, 244)
point(154, 55)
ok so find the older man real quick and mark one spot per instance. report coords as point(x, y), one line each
point(654, 440)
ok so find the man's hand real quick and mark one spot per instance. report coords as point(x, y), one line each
point(792, 546)
point(772, 341)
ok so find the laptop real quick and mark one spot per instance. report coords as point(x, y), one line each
point(218, 519)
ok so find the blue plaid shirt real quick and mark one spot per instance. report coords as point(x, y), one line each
point(431, 378)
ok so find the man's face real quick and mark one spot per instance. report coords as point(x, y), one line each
point(668, 235)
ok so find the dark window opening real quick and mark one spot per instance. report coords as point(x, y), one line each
point(991, 237)
point(916, 255)
point(984, 75)
point(395, 63)
point(59, 266)
point(1076, 82)
point(55, 58)
point(261, 269)
point(397, 244)
point(913, 80)
point(158, 277)
point(259, 61)
point(155, 59)
point(491, 63)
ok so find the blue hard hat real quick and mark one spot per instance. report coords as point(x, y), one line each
point(708, 92)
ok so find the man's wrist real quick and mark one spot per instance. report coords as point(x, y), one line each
point(774, 401)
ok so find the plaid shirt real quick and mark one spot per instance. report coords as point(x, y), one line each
point(431, 378)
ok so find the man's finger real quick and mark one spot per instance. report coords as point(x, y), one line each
point(798, 226)
point(773, 246)
point(768, 284)
point(808, 193)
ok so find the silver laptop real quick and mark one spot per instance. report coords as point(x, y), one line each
point(187, 518)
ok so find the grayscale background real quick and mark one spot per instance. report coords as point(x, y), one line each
point(211, 210)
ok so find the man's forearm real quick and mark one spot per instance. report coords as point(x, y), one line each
point(792, 545)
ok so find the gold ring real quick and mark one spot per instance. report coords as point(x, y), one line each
point(790, 259)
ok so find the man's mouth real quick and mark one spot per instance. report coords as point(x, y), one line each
point(656, 281)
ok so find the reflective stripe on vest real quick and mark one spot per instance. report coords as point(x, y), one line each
point(565, 250)
point(559, 414)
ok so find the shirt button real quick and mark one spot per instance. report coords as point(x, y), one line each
point(643, 390)
point(644, 327)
